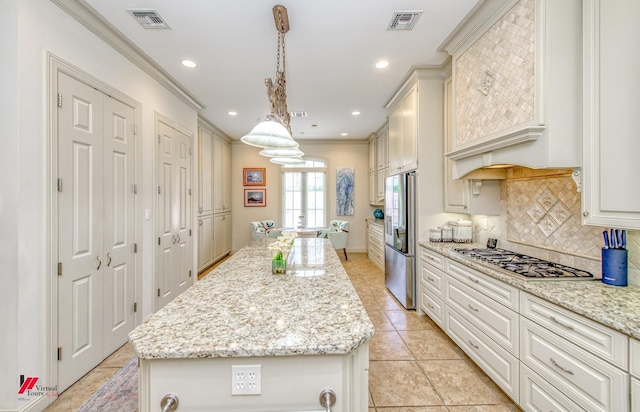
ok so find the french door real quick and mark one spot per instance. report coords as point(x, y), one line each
point(96, 227)
point(174, 213)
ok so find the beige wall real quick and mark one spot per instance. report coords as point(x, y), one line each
point(564, 239)
point(352, 155)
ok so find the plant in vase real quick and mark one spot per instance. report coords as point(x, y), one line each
point(280, 250)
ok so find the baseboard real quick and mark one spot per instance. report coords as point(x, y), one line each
point(37, 404)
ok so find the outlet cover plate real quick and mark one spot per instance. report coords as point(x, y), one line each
point(246, 380)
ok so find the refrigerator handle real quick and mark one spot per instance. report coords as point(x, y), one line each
point(411, 212)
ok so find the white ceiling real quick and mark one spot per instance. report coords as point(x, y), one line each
point(331, 49)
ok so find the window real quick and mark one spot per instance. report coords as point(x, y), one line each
point(304, 193)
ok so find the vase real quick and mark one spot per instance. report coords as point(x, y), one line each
point(278, 266)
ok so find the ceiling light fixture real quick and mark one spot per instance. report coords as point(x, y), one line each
point(356, 113)
point(287, 160)
point(269, 152)
point(232, 113)
point(275, 131)
point(382, 64)
point(344, 134)
point(189, 63)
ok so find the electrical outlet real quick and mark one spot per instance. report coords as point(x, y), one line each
point(246, 380)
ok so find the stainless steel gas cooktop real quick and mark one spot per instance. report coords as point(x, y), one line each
point(526, 266)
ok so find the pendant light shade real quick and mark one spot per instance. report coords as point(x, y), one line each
point(270, 134)
point(270, 152)
point(287, 160)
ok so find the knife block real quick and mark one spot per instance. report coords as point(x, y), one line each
point(614, 267)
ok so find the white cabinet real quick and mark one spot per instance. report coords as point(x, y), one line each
point(221, 235)
point(205, 197)
point(221, 175)
point(517, 70)
point(403, 132)
point(378, 166)
point(431, 279)
point(611, 145)
point(536, 394)
point(634, 361)
point(375, 244)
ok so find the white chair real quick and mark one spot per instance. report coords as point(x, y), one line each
point(263, 229)
point(337, 233)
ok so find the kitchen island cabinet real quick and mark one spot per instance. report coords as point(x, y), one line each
point(306, 330)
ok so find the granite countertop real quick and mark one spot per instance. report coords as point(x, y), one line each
point(240, 309)
point(615, 307)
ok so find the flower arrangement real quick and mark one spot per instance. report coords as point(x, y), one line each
point(280, 250)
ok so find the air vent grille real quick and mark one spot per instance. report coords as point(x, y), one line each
point(149, 19)
point(298, 114)
point(404, 20)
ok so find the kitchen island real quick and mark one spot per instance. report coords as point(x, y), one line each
point(307, 330)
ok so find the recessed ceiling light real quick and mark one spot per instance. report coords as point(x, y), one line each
point(355, 113)
point(382, 64)
point(232, 113)
point(189, 63)
point(344, 134)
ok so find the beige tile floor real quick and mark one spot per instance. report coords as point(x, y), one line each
point(414, 366)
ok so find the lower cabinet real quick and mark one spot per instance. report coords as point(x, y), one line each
point(546, 358)
point(375, 244)
point(205, 242)
point(221, 235)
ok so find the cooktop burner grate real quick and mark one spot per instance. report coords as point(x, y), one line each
point(527, 266)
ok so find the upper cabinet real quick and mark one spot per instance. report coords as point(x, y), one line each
point(377, 166)
point(612, 86)
point(403, 131)
point(221, 175)
point(517, 91)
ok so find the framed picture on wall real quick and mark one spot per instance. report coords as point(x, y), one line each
point(255, 176)
point(255, 197)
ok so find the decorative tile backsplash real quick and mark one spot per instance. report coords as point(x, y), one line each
point(541, 216)
point(495, 77)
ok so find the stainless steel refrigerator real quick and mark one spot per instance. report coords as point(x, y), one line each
point(399, 236)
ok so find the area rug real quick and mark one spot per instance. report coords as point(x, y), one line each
point(120, 393)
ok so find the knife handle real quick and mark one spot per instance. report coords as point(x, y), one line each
point(613, 239)
point(605, 236)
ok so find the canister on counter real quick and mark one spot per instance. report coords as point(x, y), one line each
point(447, 233)
point(435, 235)
point(462, 232)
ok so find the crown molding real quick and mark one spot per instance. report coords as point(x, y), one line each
point(92, 20)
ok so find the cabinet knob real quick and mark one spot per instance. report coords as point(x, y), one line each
point(585, 213)
point(169, 403)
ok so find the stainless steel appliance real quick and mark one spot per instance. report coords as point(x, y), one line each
point(525, 266)
point(399, 236)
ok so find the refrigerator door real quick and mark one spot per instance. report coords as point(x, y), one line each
point(396, 230)
point(399, 276)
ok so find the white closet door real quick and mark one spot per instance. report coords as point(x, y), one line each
point(80, 230)
point(119, 213)
point(174, 206)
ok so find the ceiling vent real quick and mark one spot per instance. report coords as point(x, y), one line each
point(149, 19)
point(404, 20)
point(298, 114)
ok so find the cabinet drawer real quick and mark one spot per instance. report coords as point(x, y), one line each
point(600, 340)
point(433, 307)
point(500, 365)
point(635, 358)
point(592, 383)
point(377, 229)
point(432, 258)
point(496, 321)
point(496, 290)
point(432, 279)
point(536, 394)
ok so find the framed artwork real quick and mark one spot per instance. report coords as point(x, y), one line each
point(255, 197)
point(345, 179)
point(255, 176)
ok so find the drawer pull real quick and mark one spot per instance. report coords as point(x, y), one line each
point(474, 280)
point(553, 318)
point(430, 305)
point(474, 345)
point(569, 371)
point(472, 308)
point(430, 278)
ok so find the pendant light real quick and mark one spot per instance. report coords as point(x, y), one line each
point(275, 131)
point(273, 152)
point(287, 160)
